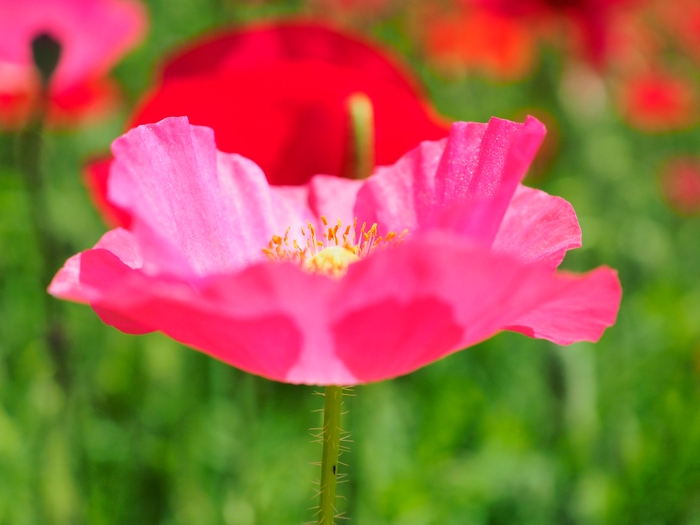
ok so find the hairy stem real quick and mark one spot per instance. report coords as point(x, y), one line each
point(331, 449)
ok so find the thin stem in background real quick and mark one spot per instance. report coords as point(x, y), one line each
point(46, 52)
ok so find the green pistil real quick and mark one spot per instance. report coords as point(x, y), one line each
point(360, 160)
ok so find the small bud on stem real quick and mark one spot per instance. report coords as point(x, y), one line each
point(46, 52)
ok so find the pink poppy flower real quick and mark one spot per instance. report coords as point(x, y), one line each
point(93, 35)
point(338, 281)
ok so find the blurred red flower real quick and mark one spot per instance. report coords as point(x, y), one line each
point(680, 184)
point(478, 39)
point(587, 24)
point(278, 94)
point(658, 101)
point(682, 21)
point(93, 35)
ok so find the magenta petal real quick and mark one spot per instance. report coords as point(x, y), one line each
point(290, 206)
point(580, 308)
point(123, 244)
point(269, 320)
point(402, 337)
point(333, 197)
point(388, 303)
point(248, 330)
point(87, 276)
point(323, 195)
point(101, 271)
point(538, 228)
point(195, 211)
point(477, 186)
point(121, 322)
point(403, 196)
point(67, 282)
point(463, 184)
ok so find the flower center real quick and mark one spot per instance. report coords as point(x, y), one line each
point(333, 261)
point(332, 252)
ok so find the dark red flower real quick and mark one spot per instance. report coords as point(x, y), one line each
point(278, 95)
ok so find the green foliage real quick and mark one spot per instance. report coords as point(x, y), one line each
point(513, 431)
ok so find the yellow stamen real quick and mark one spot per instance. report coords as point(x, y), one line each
point(330, 258)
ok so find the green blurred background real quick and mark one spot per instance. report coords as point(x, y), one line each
point(512, 431)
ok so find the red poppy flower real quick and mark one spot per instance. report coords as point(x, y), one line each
point(278, 95)
point(658, 101)
point(93, 35)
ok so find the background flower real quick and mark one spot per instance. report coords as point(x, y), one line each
point(472, 38)
point(680, 184)
point(658, 101)
point(586, 24)
point(93, 34)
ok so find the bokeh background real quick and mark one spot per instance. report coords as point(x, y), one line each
point(512, 431)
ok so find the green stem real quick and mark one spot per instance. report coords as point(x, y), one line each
point(331, 449)
point(360, 160)
point(29, 150)
point(46, 53)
